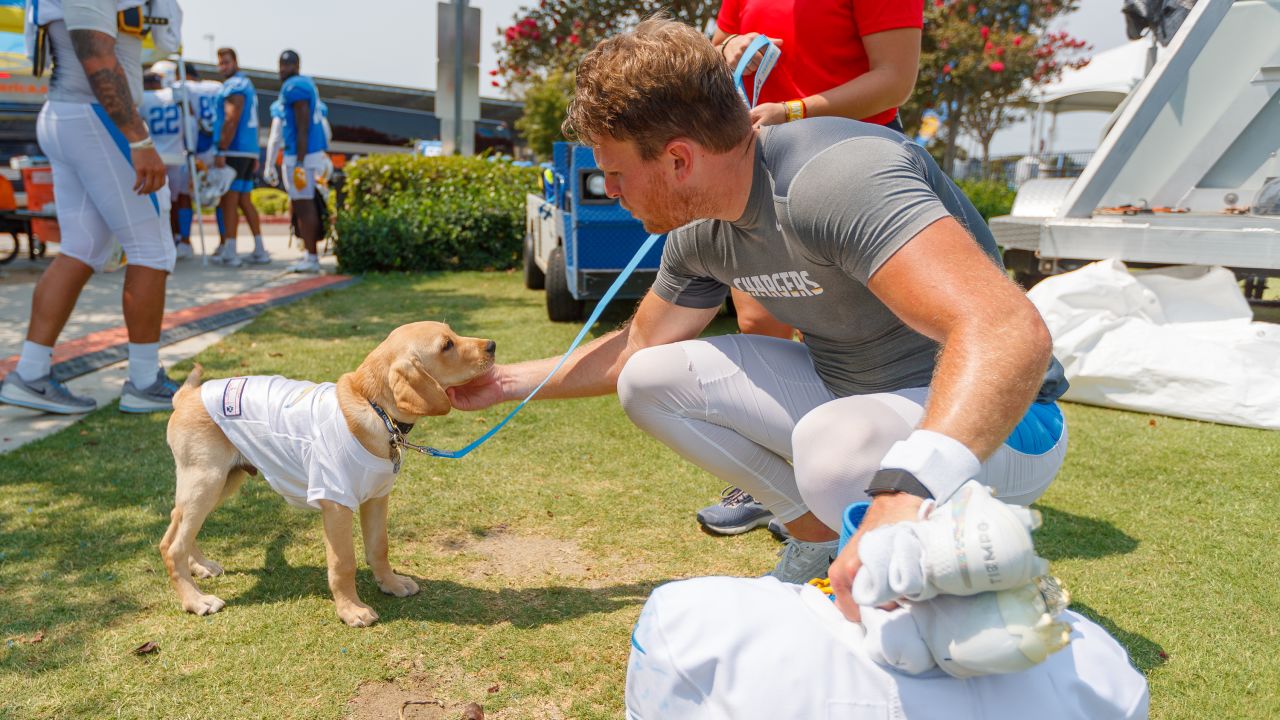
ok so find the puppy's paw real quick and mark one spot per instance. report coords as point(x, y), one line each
point(205, 569)
point(398, 585)
point(203, 604)
point(357, 614)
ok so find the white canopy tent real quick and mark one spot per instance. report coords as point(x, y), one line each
point(1100, 86)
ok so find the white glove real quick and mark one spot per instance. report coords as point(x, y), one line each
point(973, 543)
point(994, 632)
point(271, 175)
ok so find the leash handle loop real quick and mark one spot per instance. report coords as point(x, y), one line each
point(771, 54)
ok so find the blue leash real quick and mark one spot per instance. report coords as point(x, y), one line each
point(595, 315)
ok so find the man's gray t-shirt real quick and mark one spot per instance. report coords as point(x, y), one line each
point(831, 200)
point(69, 82)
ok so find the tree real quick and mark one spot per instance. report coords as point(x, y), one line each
point(557, 33)
point(540, 50)
point(976, 63)
point(545, 105)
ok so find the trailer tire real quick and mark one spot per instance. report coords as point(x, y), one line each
point(561, 306)
point(1027, 280)
point(534, 278)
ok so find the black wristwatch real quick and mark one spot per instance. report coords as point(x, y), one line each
point(895, 480)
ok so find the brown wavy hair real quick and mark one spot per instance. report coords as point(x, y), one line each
point(655, 83)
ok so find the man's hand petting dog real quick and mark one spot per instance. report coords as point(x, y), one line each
point(324, 447)
point(485, 390)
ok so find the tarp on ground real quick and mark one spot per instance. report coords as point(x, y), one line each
point(1175, 341)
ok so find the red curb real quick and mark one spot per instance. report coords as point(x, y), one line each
point(102, 339)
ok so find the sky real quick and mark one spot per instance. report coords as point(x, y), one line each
point(394, 42)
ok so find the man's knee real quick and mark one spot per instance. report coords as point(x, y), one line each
point(648, 378)
point(842, 442)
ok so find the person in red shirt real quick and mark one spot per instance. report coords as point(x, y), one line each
point(851, 59)
point(856, 59)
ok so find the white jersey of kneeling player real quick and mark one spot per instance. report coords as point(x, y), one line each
point(162, 114)
point(789, 653)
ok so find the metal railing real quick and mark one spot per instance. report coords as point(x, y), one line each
point(1014, 169)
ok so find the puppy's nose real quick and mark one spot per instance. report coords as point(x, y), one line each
point(490, 347)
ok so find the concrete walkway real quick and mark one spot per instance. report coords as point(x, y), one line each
point(203, 304)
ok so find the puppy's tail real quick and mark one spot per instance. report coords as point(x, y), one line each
point(192, 382)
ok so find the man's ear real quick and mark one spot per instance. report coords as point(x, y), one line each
point(415, 391)
point(680, 157)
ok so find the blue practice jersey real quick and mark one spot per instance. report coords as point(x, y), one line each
point(302, 88)
point(245, 141)
point(277, 109)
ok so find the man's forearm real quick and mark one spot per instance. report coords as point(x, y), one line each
point(301, 120)
point(96, 53)
point(593, 369)
point(984, 382)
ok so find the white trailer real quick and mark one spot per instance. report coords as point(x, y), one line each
point(1178, 178)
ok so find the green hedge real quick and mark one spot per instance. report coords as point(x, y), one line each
point(412, 213)
point(270, 201)
point(990, 197)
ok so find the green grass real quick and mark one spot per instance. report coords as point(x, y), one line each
point(1163, 530)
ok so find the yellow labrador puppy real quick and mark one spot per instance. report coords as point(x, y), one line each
point(331, 447)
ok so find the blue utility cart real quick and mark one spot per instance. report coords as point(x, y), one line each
point(578, 239)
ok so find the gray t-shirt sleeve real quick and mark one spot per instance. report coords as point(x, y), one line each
point(682, 277)
point(97, 15)
point(858, 202)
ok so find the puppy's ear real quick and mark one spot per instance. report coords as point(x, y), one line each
point(415, 391)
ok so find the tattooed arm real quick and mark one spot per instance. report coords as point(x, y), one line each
point(96, 52)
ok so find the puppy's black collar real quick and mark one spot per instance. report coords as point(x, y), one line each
point(398, 431)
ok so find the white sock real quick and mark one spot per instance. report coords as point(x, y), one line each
point(35, 361)
point(229, 248)
point(892, 566)
point(875, 550)
point(144, 364)
point(312, 257)
point(257, 244)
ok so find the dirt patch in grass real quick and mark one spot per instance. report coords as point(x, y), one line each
point(523, 558)
point(527, 557)
point(384, 700)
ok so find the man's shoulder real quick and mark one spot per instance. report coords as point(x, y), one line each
point(687, 236)
point(788, 148)
point(237, 84)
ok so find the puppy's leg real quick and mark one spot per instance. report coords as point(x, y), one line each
point(373, 525)
point(198, 491)
point(201, 566)
point(340, 548)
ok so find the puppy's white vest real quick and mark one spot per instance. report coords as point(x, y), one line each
point(294, 433)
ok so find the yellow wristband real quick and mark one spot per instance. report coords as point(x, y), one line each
point(795, 110)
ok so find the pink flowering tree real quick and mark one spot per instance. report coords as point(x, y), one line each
point(540, 49)
point(979, 61)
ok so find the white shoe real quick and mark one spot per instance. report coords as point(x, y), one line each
point(973, 543)
point(260, 257)
point(184, 250)
point(306, 265)
point(995, 632)
point(226, 257)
